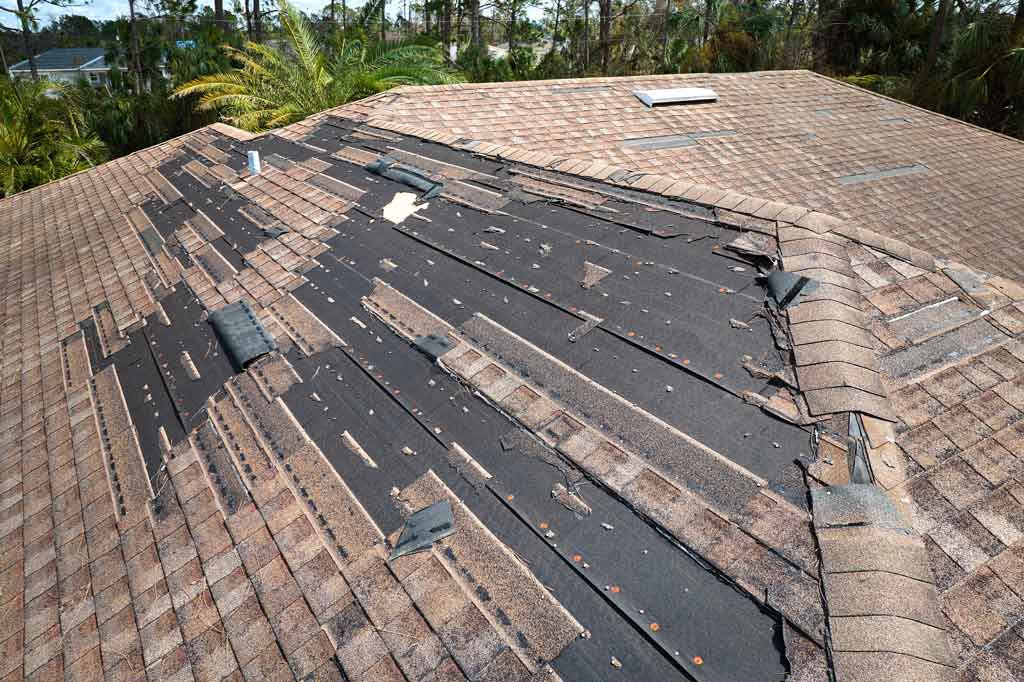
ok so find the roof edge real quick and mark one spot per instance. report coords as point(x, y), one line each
point(923, 110)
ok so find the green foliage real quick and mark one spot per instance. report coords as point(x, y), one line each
point(43, 135)
point(308, 65)
point(890, 86)
point(271, 87)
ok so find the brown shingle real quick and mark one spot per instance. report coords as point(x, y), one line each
point(966, 541)
point(962, 427)
point(958, 482)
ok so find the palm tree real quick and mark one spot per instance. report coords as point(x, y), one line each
point(43, 135)
point(271, 87)
point(987, 81)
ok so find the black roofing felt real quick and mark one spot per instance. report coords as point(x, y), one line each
point(442, 266)
point(63, 58)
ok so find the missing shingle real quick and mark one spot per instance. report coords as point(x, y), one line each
point(152, 239)
point(659, 142)
point(560, 90)
point(673, 141)
point(879, 174)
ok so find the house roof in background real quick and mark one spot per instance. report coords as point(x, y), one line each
point(65, 59)
point(931, 181)
point(572, 354)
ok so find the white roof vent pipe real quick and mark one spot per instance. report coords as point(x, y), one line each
point(667, 96)
point(254, 163)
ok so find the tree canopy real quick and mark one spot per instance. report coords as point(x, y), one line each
point(262, 63)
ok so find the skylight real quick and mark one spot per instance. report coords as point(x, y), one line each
point(665, 97)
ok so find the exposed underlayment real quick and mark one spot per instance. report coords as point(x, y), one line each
point(651, 469)
point(801, 138)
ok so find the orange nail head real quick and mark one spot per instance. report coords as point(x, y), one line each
point(698, 660)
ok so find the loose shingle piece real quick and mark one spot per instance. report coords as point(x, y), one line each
point(171, 505)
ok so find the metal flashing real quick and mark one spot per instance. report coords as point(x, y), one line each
point(875, 174)
point(786, 287)
point(673, 141)
point(854, 504)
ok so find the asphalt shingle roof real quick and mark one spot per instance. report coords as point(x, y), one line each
point(793, 136)
point(629, 438)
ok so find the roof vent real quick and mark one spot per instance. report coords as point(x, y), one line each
point(660, 98)
point(240, 331)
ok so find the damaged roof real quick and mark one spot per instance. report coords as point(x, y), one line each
point(931, 181)
point(653, 471)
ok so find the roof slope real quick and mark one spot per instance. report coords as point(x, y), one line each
point(794, 136)
point(63, 59)
point(193, 521)
point(575, 356)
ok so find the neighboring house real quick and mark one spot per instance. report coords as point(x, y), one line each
point(68, 65)
point(932, 181)
point(683, 433)
point(72, 64)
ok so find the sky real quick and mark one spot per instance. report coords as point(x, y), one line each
point(109, 9)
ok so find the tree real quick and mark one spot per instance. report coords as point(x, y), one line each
point(446, 25)
point(25, 11)
point(513, 12)
point(136, 53)
point(43, 135)
point(1017, 35)
point(473, 8)
point(936, 39)
point(271, 87)
point(604, 8)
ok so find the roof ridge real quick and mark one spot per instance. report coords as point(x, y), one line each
point(489, 85)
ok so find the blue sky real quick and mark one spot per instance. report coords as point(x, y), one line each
point(108, 9)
